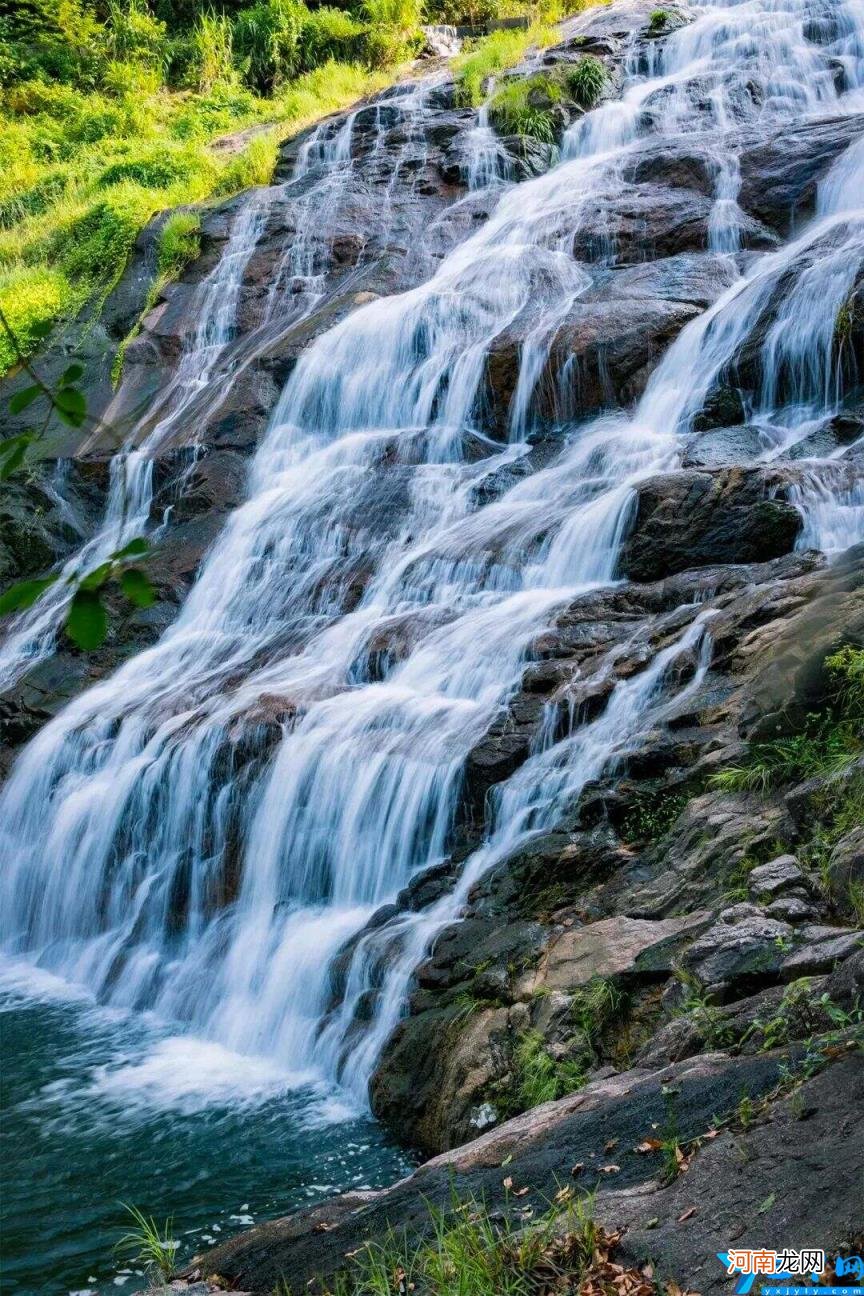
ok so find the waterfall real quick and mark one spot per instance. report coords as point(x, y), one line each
point(213, 357)
point(127, 513)
point(200, 833)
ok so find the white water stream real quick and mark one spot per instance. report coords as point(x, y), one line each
point(360, 621)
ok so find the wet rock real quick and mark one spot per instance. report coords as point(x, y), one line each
point(690, 519)
point(696, 278)
point(831, 436)
point(780, 174)
point(529, 157)
point(601, 355)
point(733, 445)
point(545, 1144)
point(846, 864)
point(635, 223)
point(723, 407)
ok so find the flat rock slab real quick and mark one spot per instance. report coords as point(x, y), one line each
point(540, 1150)
point(611, 948)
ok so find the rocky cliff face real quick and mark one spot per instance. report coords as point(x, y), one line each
point(665, 913)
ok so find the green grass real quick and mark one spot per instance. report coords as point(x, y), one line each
point(587, 81)
point(829, 743)
point(471, 1251)
point(512, 112)
point(179, 243)
point(493, 54)
point(148, 1245)
point(81, 173)
point(536, 1076)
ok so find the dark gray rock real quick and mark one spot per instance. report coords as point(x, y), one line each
point(780, 174)
point(769, 880)
point(731, 957)
point(546, 1144)
point(691, 519)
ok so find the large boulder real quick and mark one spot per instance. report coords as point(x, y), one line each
point(695, 518)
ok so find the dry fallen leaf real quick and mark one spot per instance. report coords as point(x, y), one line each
point(321, 1227)
point(613, 1143)
point(609, 1169)
point(520, 1192)
point(578, 1168)
point(649, 1145)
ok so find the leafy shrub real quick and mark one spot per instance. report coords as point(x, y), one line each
point(97, 242)
point(222, 108)
point(268, 38)
point(587, 80)
point(35, 200)
point(401, 15)
point(134, 35)
point(30, 98)
point(153, 167)
point(30, 296)
point(179, 243)
point(658, 19)
point(56, 40)
point(124, 80)
point(212, 46)
point(331, 34)
point(254, 166)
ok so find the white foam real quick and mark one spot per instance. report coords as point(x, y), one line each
point(189, 1075)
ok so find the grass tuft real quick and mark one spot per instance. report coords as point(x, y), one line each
point(149, 1245)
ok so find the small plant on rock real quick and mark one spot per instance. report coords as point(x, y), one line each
point(587, 81)
point(148, 1245)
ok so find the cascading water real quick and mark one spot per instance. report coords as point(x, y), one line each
point(201, 833)
point(213, 354)
point(130, 494)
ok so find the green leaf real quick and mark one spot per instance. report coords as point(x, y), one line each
point(24, 594)
point(87, 622)
point(12, 454)
point(137, 587)
point(133, 549)
point(72, 374)
point(70, 406)
point(96, 578)
point(23, 398)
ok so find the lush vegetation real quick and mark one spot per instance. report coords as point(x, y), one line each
point(537, 1076)
point(497, 53)
point(109, 113)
